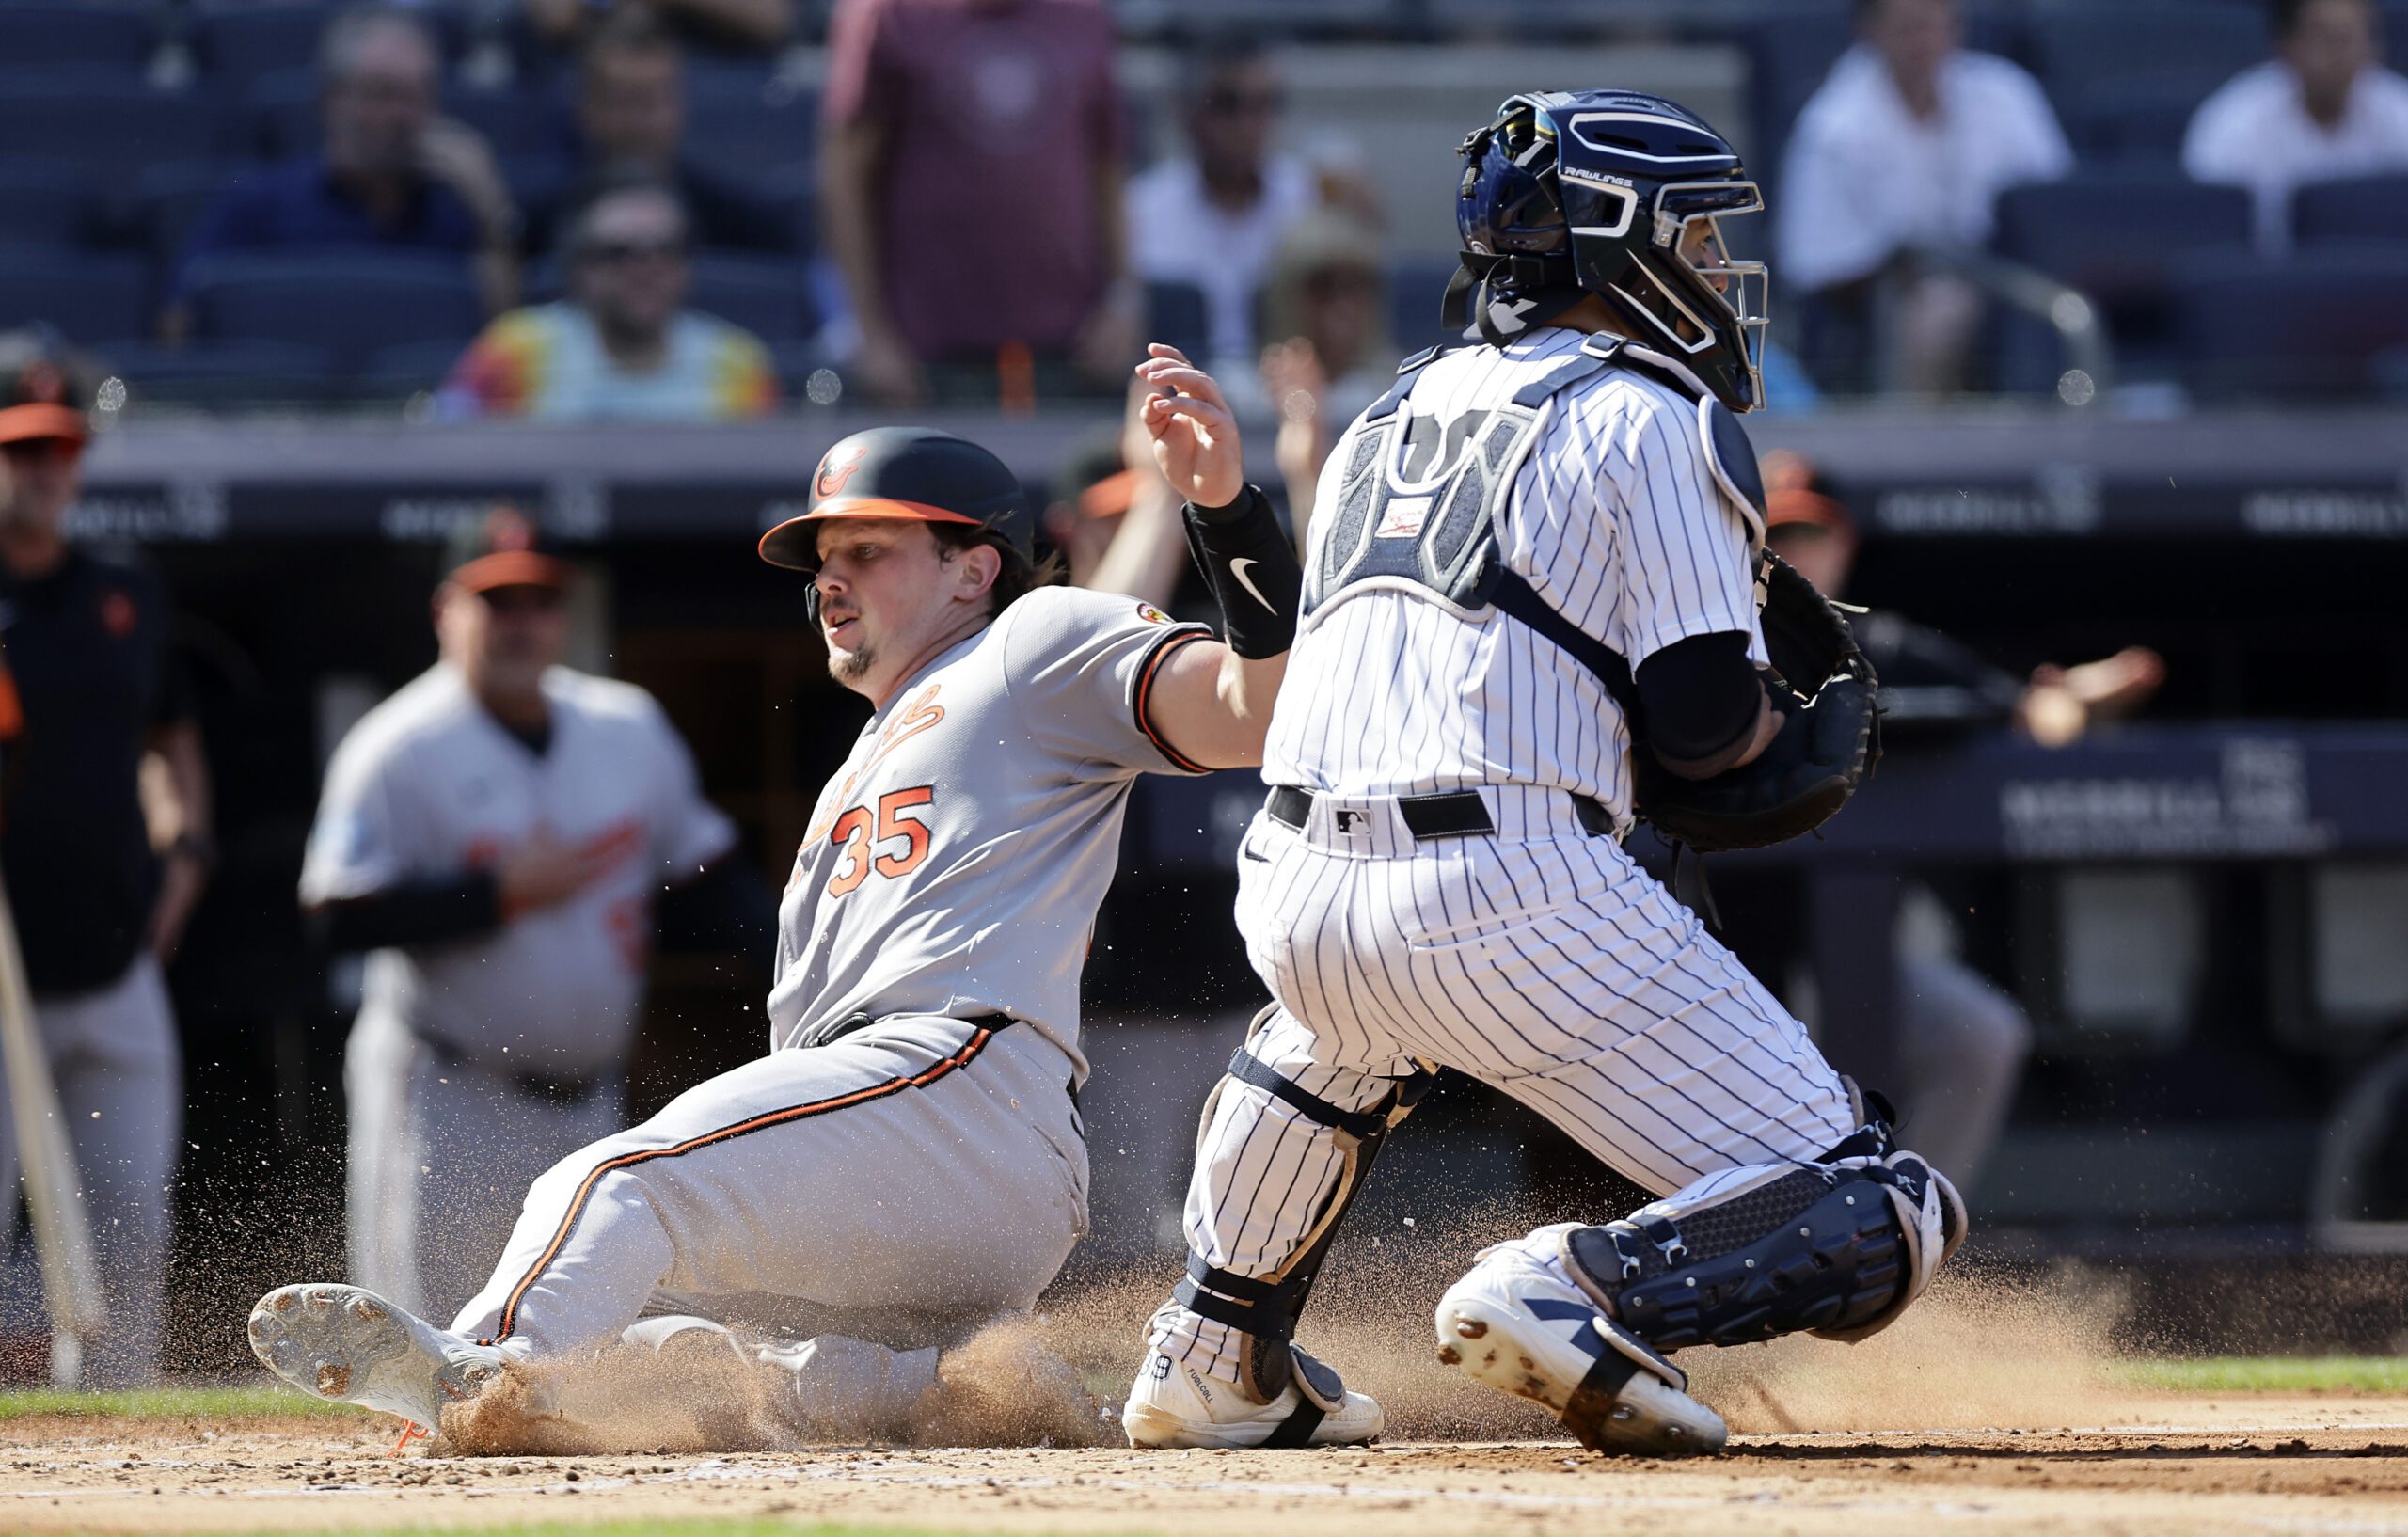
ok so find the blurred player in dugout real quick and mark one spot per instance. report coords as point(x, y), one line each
point(105, 843)
point(496, 833)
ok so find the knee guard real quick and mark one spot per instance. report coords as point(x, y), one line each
point(1837, 1250)
point(1263, 1309)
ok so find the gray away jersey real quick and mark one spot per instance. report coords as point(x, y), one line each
point(1615, 519)
point(954, 863)
point(428, 783)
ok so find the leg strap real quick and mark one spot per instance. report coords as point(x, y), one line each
point(1264, 1308)
point(1836, 1249)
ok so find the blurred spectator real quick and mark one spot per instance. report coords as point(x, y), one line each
point(104, 843)
point(622, 345)
point(2322, 108)
point(755, 24)
point(1902, 151)
point(393, 175)
point(971, 191)
point(1324, 314)
point(1215, 218)
point(631, 121)
point(1962, 1041)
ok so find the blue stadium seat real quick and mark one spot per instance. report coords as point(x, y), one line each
point(1415, 286)
point(349, 301)
point(89, 297)
point(768, 295)
point(2145, 122)
point(399, 372)
point(286, 118)
point(741, 123)
point(2113, 233)
point(2086, 51)
point(109, 124)
point(237, 41)
point(50, 32)
point(2359, 207)
point(223, 373)
point(166, 200)
point(1179, 314)
point(42, 202)
point(2322, 324)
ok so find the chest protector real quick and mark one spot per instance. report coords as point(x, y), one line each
point(1420, 501)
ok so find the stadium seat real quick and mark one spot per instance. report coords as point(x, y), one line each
point(2359, 207)
point(42, 202)
point(286, 118)
point(2322, 324)
point(1178, 313)
point(768, 295)
point(348, 301)
point(52, 32)
point(2112, 233)
point(398, 373)
point(744, 123)
point(166, 199)
point(236, 41)
point(1416, 285)
point(222, 372)
point(109, 124)
point(2143, 122)
point(87, 297)
point(2088, 50)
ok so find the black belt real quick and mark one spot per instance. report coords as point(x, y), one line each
point(553, 1088)
point(838, 1029)
point(1456, 813)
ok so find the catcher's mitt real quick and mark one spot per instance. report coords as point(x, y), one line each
point(1832, 740)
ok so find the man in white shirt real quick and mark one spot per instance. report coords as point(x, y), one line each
point(1215, 218)
point(1904, 147)
point(2322, 108)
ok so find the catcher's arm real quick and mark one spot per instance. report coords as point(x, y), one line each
point(1706, 705)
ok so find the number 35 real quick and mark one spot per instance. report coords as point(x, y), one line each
point(852, 833)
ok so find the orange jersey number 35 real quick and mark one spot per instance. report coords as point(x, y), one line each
point(853, 832)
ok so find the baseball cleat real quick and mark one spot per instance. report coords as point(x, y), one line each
point(351, 1345)
point(1511, 1326)
point(1173, 1404)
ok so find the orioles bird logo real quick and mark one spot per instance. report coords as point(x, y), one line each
point(833, 473)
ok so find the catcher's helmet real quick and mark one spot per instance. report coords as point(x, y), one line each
point(915, 473)
point(1592, 192)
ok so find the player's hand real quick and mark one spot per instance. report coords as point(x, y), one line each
point(1194, 438)
point(180, 882)
point(544, 872)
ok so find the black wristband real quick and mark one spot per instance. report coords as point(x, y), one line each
point(1251, 568)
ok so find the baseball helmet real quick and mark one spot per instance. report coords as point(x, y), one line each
point(915, 473)
point(1571, 193)
point(44, 390)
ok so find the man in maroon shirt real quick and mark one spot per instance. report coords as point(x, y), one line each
point(971, 177)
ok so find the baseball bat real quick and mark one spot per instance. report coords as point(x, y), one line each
point(71, 1285)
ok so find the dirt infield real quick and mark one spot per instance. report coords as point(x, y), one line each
point(2166, 1463)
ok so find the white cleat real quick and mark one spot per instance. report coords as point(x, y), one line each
point(351, 1345)
point(1511, 1326)
point(1172, 1404)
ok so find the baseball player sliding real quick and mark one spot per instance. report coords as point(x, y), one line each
point(1531, 613)
point(908, 1159)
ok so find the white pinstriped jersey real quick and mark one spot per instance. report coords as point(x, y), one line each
point(1615, 517)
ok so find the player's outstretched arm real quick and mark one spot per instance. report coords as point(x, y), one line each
point(1212, 703)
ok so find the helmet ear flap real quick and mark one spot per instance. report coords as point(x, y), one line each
point(811, 598)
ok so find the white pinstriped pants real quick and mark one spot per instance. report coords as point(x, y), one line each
point(1541, 960)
